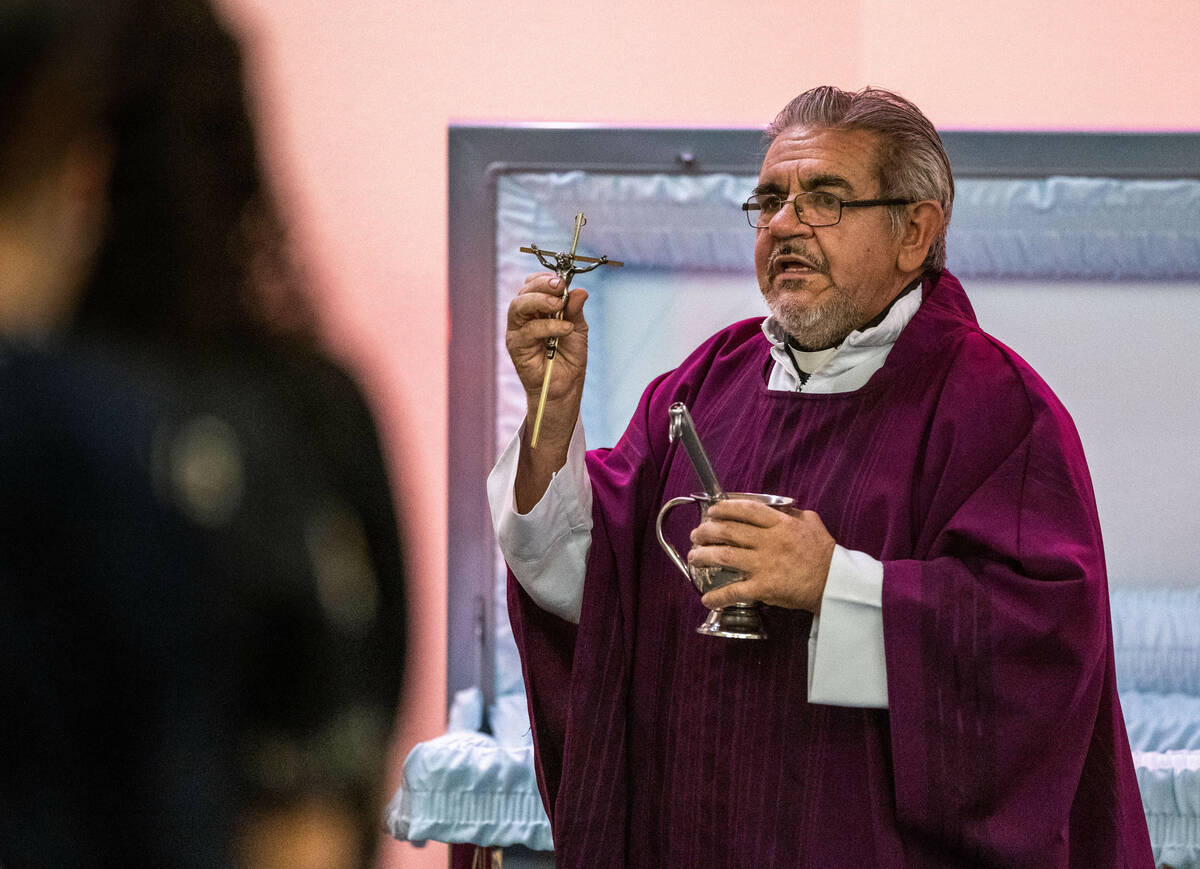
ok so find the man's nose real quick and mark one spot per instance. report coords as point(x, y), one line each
point(785, 224)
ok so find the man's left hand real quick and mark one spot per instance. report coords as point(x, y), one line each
point(785, 554)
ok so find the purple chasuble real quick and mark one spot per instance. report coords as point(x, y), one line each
point(1004, 743)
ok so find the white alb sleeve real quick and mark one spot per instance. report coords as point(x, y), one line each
point(846, 665)
point(546, 548)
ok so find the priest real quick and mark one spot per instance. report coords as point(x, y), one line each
point(938, 686)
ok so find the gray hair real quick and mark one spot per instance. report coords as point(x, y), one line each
point(911, 162)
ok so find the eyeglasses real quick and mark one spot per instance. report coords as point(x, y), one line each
point(816, 208)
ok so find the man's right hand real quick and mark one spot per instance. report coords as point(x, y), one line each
point(530, 322)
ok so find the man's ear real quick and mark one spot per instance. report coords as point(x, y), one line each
point(924, 222)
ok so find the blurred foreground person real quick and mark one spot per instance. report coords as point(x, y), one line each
point(201, 601)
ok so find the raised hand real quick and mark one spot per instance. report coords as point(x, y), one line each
point(530, 322)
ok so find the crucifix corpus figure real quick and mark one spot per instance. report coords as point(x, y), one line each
point(565, 265)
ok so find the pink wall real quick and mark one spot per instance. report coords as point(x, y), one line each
point(356, 98)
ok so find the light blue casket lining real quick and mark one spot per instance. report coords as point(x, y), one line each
point(1050, 228)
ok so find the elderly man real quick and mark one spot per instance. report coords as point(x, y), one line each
point(938, 685)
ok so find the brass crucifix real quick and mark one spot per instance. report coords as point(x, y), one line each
point(563, 265)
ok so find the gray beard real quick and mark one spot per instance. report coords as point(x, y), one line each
point(816, 327)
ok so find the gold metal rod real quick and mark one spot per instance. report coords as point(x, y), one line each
point(580, 220)
point(552, 343)
point(537, 421)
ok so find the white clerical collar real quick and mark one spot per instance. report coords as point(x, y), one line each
point(847, 366)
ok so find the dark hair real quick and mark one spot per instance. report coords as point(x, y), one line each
point(911, 162)
point(50, 89)
point(195, 249)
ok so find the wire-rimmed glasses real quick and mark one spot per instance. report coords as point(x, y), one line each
point(815, 208)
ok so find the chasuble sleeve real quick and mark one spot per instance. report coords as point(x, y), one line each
point(1006, 732)
point(571, 669)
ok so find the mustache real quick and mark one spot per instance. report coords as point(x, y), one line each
point(796, 251)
